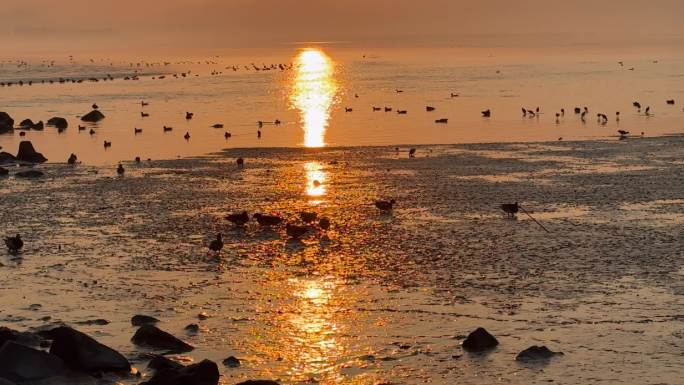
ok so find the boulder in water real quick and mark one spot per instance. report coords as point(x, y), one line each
point(479, 341)
point(6, 157)
point(28, 154)
point(58, 122)
point(38, 126)
point(93, 116)
point(162, 363)
point(152, 336)
point(203, 373)
point(19, 363)
point(3, 172)
point(26, 124)
point(536, 353)
point(23, 338)
point(6, 123)
point(81, 352)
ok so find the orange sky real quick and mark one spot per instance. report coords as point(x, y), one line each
point(171, 24)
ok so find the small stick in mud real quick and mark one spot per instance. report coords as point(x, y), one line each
point(531, 217)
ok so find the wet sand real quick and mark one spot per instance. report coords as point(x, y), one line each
point(385, 297)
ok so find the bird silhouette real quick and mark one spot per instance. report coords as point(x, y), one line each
point(267, 220)
point(383, 205)
point(238, 219)
point(511, 209)
point(295, 231)
point(217, 244)
point(14, 244)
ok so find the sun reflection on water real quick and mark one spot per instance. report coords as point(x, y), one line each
point(315, 180)
point(313, 92)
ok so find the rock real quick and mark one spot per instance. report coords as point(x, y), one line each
point(258, 382)
point(26, 124)
point(6, 123)
point(28, 154)
point(140, 320)
point(29, 174)
point(98, 321)
point(6, 382)
point(93, 116)
point(161, 363)
point(203, 373)
point(81, 352)
point(231, 362)
point(58, 122)
point(192, 328)
point(479, 341)
point(23, 338)
point(38, 126)
point(6, 157)
point(19, 363)
point(151, 336)
point(536, 353)
point(72, 159)
point(3, 172)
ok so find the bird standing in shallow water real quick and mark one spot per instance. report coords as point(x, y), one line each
point(217, 244)
point(120, 170)
point(187, 136)
point(511, 209)
point(238, 219)
point(14, 244)
point(324, 223)
point(385, 205)
point(295, 231)
point(308, 216)
point(240, 162)
point(412, 153)
point(267, 220)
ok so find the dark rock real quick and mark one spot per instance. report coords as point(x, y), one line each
point(6, 157)
point(258, 382)
point(479, 341)
point(83, 353)
point(23, 338)
point(203, 373)
point(58, 122)
point(6, 123)
point(29, 174)
point(151, 336)
point(72, 159)
point(28, 154)
point(98, 321)
point(140, 320)
point(38, 126)
point(26, 124)
point(162, 363)
point(6, 382)
point(93, 116)
point(192, 328)
point(3, 172)
point(19, 363)
point(536, 353)
point(231, 362)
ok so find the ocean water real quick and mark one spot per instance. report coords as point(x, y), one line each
point(311, 97)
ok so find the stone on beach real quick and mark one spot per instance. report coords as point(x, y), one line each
point(479, 341)
point(139, 320)
point(162, 363)
point(27, 124)
point(6, 123)
point(6, 157)
point(151, 336)
point(19, 363)
point(83, 353)
point(536, 353)
point(23, 338)
point(231, 362)
point(27, 153)
point(203, 373)
point(93, 116)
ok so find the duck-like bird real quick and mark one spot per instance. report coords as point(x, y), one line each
point(385, 205)
point(238, 219)
point(189, 115)
point(120, 170)
point(324, 223)
point(268, 220)
point(14, 244)
point(240, 162)
point(295, 231)
point(308, 216)
point(217, 244)
point(623, 132)
point(412, 153)
point(510, 208)
point(486, 113)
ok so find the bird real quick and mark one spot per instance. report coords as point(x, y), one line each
point(137, 130)
point(324, 223)
point(348, 109)
point(267, 220)
point(486, 113)
point(636, 104)
point(81, 128)
point(107, 144)
point(385, 205)
point(167, 128)
point(377, 109)
point(453, 95)
point(240, 162)
point(388, 109)
point(92, 132)
point(647, 111)
point(578, 110)
point(95, 106)
point(671, 102)
point(238, 219)
point(443, 120)
point(226, 135)
point(308, 216)
point(120, 170)
point(402, 112)
point(189, 115)
point(144, 103)
point(259, 134)
point(217, 125)
point(144, 114)
point(623, 132)
point(217, 244)
point(295, 231)
point(412, 153)
point(187, 136)
point(72, 159)
point(429, 108)
point(137, 159)
point(14, 244)
point(511, 209)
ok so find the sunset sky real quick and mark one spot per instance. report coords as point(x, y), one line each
point(168, 24)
